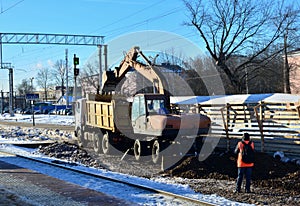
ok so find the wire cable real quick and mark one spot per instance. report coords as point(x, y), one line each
point(12, 6)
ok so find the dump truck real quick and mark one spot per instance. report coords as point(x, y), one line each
point(144, 124)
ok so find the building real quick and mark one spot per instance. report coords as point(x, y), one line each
point(50, 95)
point(63, 100)
point(294, 63)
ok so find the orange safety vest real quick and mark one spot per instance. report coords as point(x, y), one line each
point(240, 163)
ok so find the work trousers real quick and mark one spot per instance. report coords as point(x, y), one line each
point(244, 171)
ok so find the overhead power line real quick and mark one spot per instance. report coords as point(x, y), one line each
point(146, 21)
point(125, 18)
point(12, 6)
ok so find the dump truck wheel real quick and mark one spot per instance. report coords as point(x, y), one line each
point(155, 151)
point(140, 149)
point(97, 143)
point(81, 141)
point(106, 147)
point(137, 149)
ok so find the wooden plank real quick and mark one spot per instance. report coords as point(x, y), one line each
point(100, 114)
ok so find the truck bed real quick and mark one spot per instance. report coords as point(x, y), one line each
point(108, 113)
point(101, 115)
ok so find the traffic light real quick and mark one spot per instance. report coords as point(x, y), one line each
point(76, 72)
point(76, 60)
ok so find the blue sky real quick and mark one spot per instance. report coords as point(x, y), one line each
point(111, 18)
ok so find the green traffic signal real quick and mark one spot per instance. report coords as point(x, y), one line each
point(76, 60)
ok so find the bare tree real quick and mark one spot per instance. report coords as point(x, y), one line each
point(24, 87)
point(231, 28)
point(59, 74)
point(43, 80)
point(89, 77)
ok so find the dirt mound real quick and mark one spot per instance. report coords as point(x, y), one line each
point(274, 182)
point(223, 166)
point(69, 152)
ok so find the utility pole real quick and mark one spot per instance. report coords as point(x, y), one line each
point(105, 57)
point(31, 83)
point(286, 68)
point(11, 85)
point(2, 99)
point(0, 50)
point(247, 86)
point(100, 65)
point(100, 68)
point(11, 92)
point(67, 79)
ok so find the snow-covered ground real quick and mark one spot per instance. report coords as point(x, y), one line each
point(21, 134)
point(13, 134)
point(40, 118)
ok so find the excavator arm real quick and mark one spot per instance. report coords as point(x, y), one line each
point(151, 72)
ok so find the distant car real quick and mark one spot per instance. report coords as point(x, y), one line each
point(18, 110)
point(37, 112)
point(6, 110)
point(69, 112)
point(27, 111)
point(60, 111)
point(53, 111)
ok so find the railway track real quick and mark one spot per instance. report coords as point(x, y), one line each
point(38, 125)
point(142, 188)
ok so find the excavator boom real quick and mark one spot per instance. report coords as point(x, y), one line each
point(111, 79)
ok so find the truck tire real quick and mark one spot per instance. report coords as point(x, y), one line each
point(97, 143)
point(140, 149)
point(80, 137)
point(155, 151)
point(106, 147)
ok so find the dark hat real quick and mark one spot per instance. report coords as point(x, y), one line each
point(246, 136)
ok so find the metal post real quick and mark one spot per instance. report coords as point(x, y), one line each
point(74, 91)
point(284, 65)
point(100, 69)
point(247, 86)
point(67, 79)
point(0, 50)
point(286, 69)
point(32, 110)
point(105, 57)
point(31, 84)
point(1, 108)
point(75, 83)
point(11, 92)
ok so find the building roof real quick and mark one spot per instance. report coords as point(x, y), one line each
point(65, 98)
point(237, 99)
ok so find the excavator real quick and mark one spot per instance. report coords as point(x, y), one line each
point(146, 125)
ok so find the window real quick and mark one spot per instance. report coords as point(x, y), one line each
point(138, 107)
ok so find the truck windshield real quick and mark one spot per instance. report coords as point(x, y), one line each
point(156, 106)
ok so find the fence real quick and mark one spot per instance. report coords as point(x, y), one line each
point(273, 126)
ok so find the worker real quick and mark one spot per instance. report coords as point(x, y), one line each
point(162, 109)
point(245, 162)
point(150, 107)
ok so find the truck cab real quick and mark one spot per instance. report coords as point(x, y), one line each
point(150, 115)
point(143, 107)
